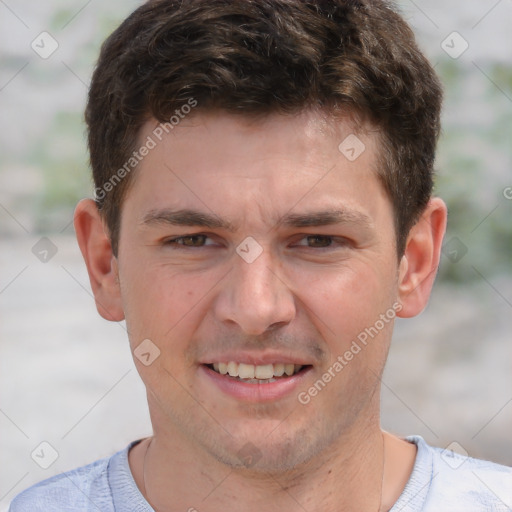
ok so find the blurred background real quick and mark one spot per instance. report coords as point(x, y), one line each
point(66, 375)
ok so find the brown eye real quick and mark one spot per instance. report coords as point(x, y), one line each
point(188, 241)
point(319, 241)
point(194, 241)
point(322, 242)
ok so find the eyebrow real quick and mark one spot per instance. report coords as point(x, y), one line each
point(188, 217)
point(326, 218)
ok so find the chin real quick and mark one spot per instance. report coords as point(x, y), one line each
point(274, 454)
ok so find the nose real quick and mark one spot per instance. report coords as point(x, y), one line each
point(255, 296)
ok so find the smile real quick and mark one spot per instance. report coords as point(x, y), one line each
point(256, 374)
point(255, 383)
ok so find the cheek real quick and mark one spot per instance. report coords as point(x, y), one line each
point(164, 306)
point(160, 303)
point(346, 300)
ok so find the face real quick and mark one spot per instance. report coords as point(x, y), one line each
point(257, 248)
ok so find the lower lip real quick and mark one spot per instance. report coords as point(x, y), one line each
point(255, 392)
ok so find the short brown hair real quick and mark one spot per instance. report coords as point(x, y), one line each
point(258, 57)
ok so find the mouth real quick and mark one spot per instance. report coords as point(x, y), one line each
point(257, 374)
point(254, 383)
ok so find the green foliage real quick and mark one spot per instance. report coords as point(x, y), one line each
point(474, 169)
point(62, 158)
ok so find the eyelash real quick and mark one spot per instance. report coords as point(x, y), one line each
point(176, 241)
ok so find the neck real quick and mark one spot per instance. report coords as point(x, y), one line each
point(347, 476)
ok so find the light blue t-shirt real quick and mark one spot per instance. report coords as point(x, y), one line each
point(441, 481)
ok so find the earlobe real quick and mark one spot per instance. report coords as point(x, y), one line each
point(101, 263)
point(420, 261)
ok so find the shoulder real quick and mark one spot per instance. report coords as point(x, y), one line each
point(82, 489)
point(458, 482)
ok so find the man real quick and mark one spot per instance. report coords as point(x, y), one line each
point(263, 212)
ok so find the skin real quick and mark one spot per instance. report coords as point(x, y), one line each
point(303, 297)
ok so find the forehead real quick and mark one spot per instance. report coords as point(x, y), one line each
point(239, 165)
point(311, 131)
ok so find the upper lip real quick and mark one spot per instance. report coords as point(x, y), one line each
point(257, 359)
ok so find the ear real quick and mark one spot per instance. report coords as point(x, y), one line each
point(418, 267)
point(99, 259)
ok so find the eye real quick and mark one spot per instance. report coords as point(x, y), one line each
point(321, 241)
point(189, 241)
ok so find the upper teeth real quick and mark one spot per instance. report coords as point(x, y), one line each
point(250, 371)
